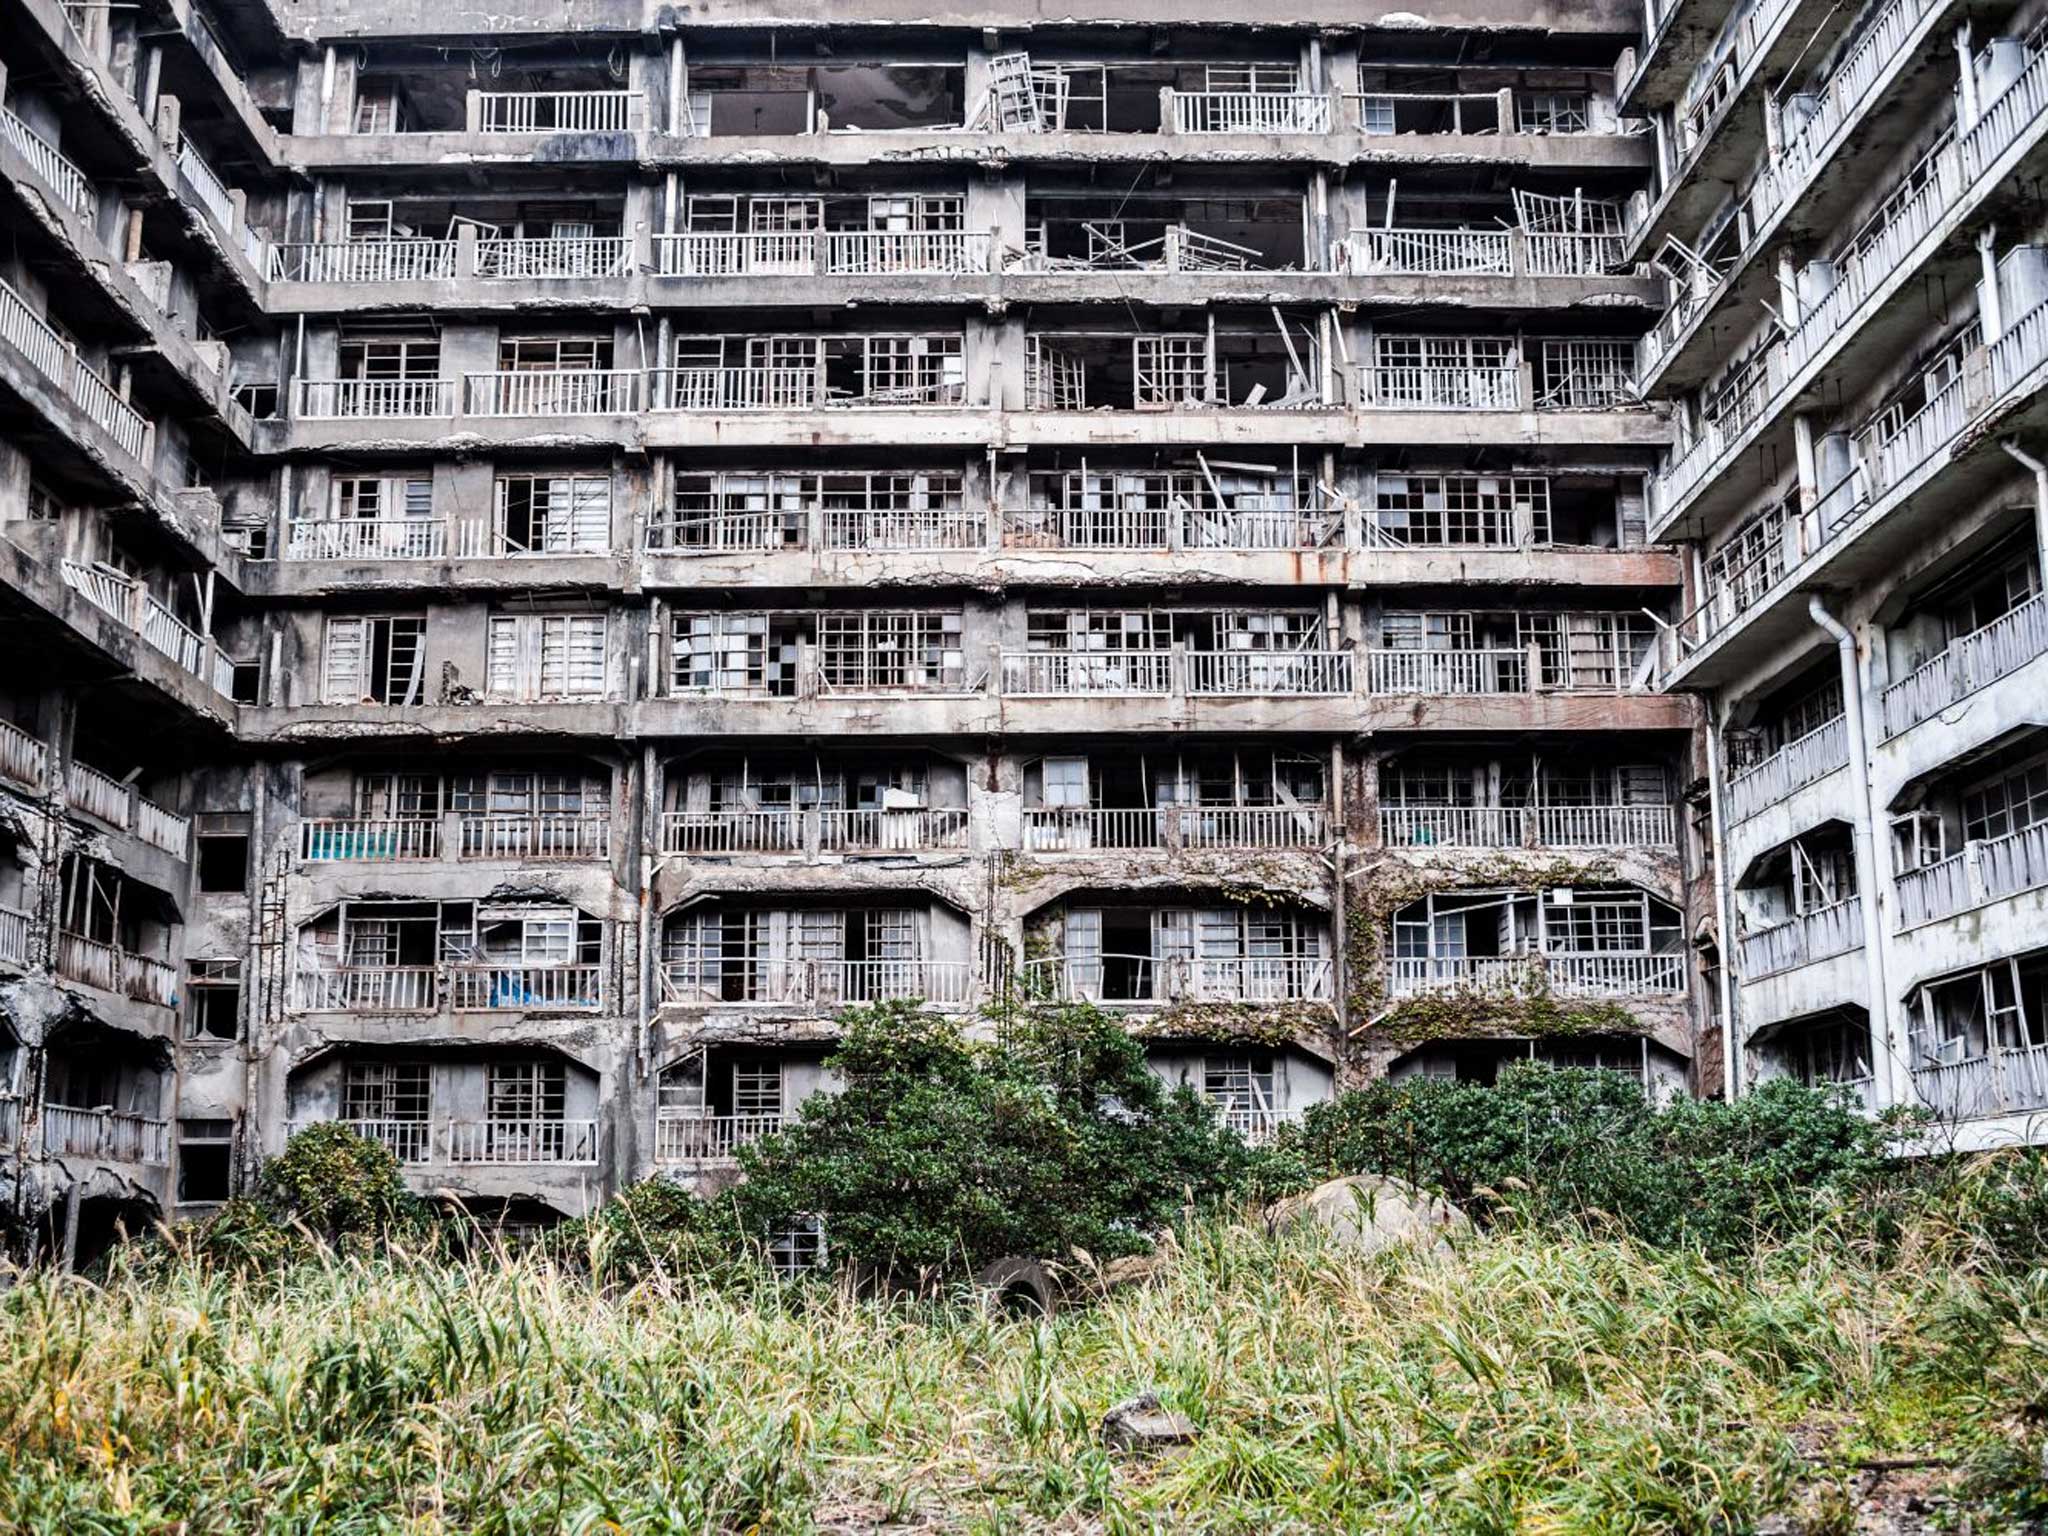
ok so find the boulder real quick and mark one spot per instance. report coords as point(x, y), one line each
point(1368, 1213)
point(1140, 1424)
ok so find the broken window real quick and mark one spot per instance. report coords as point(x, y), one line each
point(554, 514)
point(1432, 510)
point(1553, 112)
point(213, 1000)
point(546, 656)
point(374, 661)
point(876, 650)
point(734, 653)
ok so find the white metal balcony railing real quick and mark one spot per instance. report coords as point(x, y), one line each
point(738, 389)
point(1983, 872)
point(14, 936)
point(1113, 829)
point(766, 980)
point(1258, 674)
point(549, 837)
point(365, 261)
point(58, 361)
point(129, 602)
point(548, 257)
point(213, 192)
point(377, 840)
point(709, 1138)
point(368, 538)
point(1447, 672)
point(110, 1134)
point(814, 831)
point(1792, 767)
point(1820, 934)
point(521, 1141)
point(1250, 112)
point(1148, 979)
point(113, 969)
point(22, 758)
point(1434, 387)
point(529, 1141)
point(2001, 1080)
point(558, 111)
point(97, 794)
point(481, 987)
point(866, 253)
point(1969, 662)
point(556, 392)
point(931, 528)
point(1256, 1125)
point(1416, 252)
point(44, 158)
point(1547, 826)
point(161, 828)
point(738, 253)
point(1060, 674)
point(1564, 975)
point(337, 399)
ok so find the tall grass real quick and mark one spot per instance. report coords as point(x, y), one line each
point(1533, 1381)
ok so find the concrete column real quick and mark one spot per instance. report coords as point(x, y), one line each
point(169, 122)
point(1967, 105)
point(1991, 309)
point(152, 80)
point(1788, 290)
point(1802, 449)
point(678, 86)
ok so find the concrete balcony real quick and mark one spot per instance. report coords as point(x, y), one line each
point(16, 929)
point(2002, 1080)
point(1562, 975)
point(467, 988)
point(1148, 980)
point(1548, 826)
point(709, 1138)
point(112, 969)
point(1821, 934)
point(1415, 252)
point(105, 1135)
point(1792, 767)
point(814, 833)
point(765, 981)
point(23, 759)
point(49, 354)
point(1802, 194)
point(129, 602)
point(1970, 662)
point(1837, 339)
point(1985, 871)
point(51, 167)
point(122, 805)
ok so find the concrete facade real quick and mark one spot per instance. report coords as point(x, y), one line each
point(1843, 204)
point(556, 550)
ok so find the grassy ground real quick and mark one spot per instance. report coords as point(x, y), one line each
point(1529, 1383)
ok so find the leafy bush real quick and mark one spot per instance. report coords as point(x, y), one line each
point(653, 1227)
point(340, 1186)
point(1564, 1143)
point(942, 1154)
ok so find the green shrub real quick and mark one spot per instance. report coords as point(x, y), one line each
point(1552, 1143)
point(653, 1227)
point(941, 1153)
point(341, 1186)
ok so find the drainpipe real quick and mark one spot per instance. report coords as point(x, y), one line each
point(1724, 910)
point(2040, 471)
point(1888, 1059)
point(648, 827)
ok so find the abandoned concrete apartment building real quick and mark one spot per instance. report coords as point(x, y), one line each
point(546, 555)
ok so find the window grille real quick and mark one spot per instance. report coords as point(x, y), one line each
point(374, 661)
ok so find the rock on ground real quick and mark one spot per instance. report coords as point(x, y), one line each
point(1370, 1212)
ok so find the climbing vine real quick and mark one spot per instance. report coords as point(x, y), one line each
point(1458, 1012)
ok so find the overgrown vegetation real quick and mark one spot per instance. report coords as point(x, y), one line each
point(942, 1154)
point(1541, 1377)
